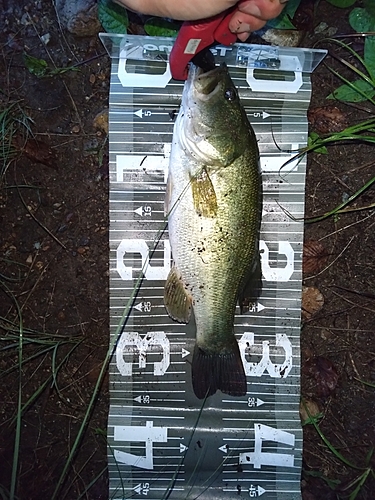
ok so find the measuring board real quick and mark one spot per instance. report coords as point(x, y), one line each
point(164, 443)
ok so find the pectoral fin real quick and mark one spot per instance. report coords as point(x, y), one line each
point(204, 196)
point(177, 300)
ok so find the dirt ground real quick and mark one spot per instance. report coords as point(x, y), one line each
point(54, 268)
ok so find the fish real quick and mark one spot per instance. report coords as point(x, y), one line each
point(213, 203)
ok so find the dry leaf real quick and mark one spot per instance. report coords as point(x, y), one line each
point(312, 408)
point(314, 257)
point(37, 151)
point(312, 301)
point(101, 121)
point(322, 372)
point(327, 119)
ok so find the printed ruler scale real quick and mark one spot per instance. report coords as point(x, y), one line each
point(162, 443)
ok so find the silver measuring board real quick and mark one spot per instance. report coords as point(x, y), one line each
point(164, 443)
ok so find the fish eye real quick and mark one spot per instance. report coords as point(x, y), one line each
point(230, 94)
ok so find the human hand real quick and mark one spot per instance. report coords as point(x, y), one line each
point(250, 15)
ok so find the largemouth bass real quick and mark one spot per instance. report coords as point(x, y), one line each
point(213, 205)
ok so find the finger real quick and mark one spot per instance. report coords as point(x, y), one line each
point(245, 23)
point(181, 10)
point(262, 9)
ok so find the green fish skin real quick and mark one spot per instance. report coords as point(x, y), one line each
point(213, 202)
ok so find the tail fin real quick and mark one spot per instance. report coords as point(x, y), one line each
point(211, 372)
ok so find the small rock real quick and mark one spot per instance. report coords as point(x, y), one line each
point(284, 38)
point(46, 38)
point(321, 28)
point(61, 315)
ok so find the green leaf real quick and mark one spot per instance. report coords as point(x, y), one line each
point(370, 7)
point(37, 67)
point(157, 26)
point(342, 3)
point(112, 17)
point(283, 21)
point(312, 140)
point(347, 93)
point(369, 55)
point(361, 20)
point(332, 483)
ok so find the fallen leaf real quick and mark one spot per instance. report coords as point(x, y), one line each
point(36, 151)
point(101, 121)
point(314, 257)
point(306, 407)
point(312, 301)
point(322, 374)
point(327, 119)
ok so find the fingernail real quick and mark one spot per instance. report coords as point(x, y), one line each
point(283, 1)
point(253, 10)
point(243, 28)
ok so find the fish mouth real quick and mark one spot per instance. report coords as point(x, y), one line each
point(206, 82)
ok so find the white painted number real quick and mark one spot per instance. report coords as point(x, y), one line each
point(139, 434)
point(277, 273)
point(140, 247)
point(257, 458)
point(275, 370)
point(131, 341)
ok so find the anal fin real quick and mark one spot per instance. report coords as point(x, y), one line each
point(177, 300)
point(212, 372)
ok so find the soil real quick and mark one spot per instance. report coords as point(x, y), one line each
point(54, 268)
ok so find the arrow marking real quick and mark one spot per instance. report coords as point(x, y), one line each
point(139, 113)
point(256, 307)
point(265, 115)
point(183, 448)
point(139, 211)
point(260, 402)
point(138, 488)
point(184, 353)
point(261, 491)
point(139, 307)
point(224, 448)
